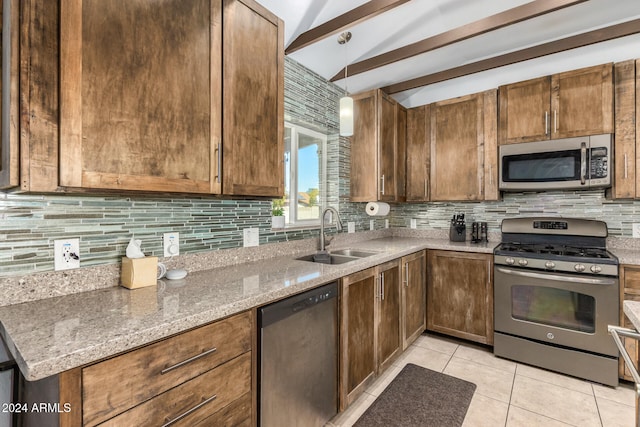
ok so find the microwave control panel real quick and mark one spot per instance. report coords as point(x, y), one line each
point(599, 167)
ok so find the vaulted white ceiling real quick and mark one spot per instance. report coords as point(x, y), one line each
point(419, 19)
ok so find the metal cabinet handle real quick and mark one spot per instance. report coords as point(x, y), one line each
point(425, 189)
point(195, 408)
point(189, 360)
point(546, 123)
point(406, 274)
point(219, 156)
point(490, 174)
point(583, 163)
point(555, 121)
point(382, 187)
point(625, 166)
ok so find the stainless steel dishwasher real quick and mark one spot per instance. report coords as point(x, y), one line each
point(299, 359)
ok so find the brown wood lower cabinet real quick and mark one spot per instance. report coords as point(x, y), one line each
point(200, 377)
point(414, 295)
point(460, 295)
point(369, 327)
point(629, 290)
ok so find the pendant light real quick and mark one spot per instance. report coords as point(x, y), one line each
point(346, 102)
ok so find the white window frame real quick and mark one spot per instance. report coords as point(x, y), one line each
point(293, 167)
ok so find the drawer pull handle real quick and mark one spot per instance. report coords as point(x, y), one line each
point(195, 408)
point(189, 360)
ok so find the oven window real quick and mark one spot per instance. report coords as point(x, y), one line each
point(542, 167)
point(554, 307)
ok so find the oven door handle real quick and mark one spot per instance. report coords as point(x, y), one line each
point(548, 276)
point(583, 163)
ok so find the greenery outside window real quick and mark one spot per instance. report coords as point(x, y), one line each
point(305, 176)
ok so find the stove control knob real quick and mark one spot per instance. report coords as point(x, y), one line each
point(595, 269)
point(579, 268)
point(523, 262)
point(550, 264)
point(510, 260)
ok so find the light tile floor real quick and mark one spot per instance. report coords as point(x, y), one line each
point(508, 394)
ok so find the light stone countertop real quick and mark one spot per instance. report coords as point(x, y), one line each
point(53, 335)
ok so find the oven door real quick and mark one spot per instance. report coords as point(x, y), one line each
point(557, 308)
point(543, 165)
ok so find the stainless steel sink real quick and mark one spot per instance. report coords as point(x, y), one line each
point(353, 252)
point(333, 259)
point(341, 256)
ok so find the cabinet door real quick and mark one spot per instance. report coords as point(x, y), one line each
point(460, 295)
point(389, 336)
point(140, 90)
point(9, 110)
point(629, 290)
point(624, 184)
point(414, 297)
point(364, 151)
point(582, 102)
point(357, 335)
point(525, 111)
point(456, 149)
point(253, 68)
point(401, 153)
point(418, 153)
point(387, 147)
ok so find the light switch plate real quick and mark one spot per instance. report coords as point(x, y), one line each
point(251, 237)
point(414, 223)
point(351, 227)
point(636, 229)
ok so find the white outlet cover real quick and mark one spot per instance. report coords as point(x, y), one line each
point(351, 227)
point(386, 223)
point(635, 227)
point(414, 223)
point(171, 244)
point(372, 224)
point(251, 237)
point(62, 250)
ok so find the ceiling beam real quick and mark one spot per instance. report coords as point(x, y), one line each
point(342, 22)
point(482, 26)
point(580, 40)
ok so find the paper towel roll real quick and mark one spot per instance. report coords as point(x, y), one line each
point(377, 209)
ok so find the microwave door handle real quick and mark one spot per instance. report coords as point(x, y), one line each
point(583, 163)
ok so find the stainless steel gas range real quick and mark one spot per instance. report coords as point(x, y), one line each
point(556, 290)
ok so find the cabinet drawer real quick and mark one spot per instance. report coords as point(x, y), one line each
point(120, 383)
point(196, 400)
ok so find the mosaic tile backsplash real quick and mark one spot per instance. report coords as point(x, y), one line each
point(30, 223)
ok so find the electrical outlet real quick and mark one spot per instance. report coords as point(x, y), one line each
point(251, 237)
point(351, 227)
point(386, 223)
point(171, 244)
point(372, 224)
point(635, 227)
point(66, 254)
point(414, 223)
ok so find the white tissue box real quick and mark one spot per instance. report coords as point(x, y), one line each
point(139, 272)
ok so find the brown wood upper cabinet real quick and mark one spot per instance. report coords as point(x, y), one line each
point(418, 153)
point(460, 295)
point(574, 103)
point(369, 327)
point(626, 184)
point(377, 148)
point(9, 117)
point(464, 148)
point(141, 99)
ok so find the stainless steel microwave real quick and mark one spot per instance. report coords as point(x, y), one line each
point(566, 164)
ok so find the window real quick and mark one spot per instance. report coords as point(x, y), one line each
point(305, 175)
